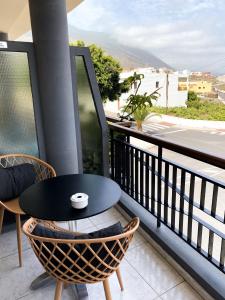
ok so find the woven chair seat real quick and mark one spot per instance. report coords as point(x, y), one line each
point(80, 261)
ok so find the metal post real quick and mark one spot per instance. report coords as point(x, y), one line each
point(167, 90)
point(159, 186)
point(50, 36)
point(112, 164)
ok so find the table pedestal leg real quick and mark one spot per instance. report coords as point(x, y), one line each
point(80, 291)
point(41, 281)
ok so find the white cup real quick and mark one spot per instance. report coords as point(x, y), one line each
point(79, 200)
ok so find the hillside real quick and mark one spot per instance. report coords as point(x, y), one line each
point(129, 57)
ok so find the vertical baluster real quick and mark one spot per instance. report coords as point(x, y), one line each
point(153, 186)
point(166, 192)
point(213, 214)
point(132, 172)
point(127, 159)
point(222, 251)
point(147, 181)
point(190, 208)
point(136, 175)
point(174, 185)
point(202, 196)
point(214, 200)
point(141, 177)
point(182, 191)
point(202, 206)
point(159, 186)
point(121, 164)
point(210, 245)
point(112, 155)
point(125, 168)
point(222, 254)
point(117, 162)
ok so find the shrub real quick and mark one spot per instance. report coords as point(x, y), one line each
point(205, 110)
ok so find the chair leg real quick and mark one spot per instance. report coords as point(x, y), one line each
point(2, 210)
point(19, 238)
point(107, 289)
point(118, 273)
point(58, 290)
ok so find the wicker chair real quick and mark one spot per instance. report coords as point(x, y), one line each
point(66, 260)
point(43, 171)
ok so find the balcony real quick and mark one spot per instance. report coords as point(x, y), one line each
point(179, 251)
point(181, 240)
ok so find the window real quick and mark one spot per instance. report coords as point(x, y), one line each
point(157, 84)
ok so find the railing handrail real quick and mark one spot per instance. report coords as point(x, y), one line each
point(184, 150)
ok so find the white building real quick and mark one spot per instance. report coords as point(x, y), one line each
point(154, 79)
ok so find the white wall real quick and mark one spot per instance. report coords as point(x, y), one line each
point(175, 97)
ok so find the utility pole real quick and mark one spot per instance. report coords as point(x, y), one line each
point(167, 90)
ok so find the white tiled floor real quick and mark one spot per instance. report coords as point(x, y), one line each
point(146, 274)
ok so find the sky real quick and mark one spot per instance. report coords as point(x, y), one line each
point(185, 34)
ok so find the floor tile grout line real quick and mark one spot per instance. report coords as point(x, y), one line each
point(142, 278)
point(163, 259)
point(172, 288)
point(21, 297)
point(159, 295)
point(138, 245)
point(187, 284)
point(170, 264)
point(13, 253)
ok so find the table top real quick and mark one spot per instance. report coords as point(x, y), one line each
point(50, 199)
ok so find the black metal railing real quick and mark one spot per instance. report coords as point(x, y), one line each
point(188, 202)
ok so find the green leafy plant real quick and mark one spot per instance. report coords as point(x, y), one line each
point(107, 70)
point(139, 106)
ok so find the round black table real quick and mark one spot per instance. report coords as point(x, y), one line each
point(50, 199)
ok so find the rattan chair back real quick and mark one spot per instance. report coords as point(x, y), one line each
point(42, 169)
point(78, 260)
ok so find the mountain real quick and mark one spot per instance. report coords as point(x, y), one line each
point(129, 57)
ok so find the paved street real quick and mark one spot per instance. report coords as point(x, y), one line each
point(206, 140)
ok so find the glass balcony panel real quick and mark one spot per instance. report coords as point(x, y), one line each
point(90, 128)
point(17, 125)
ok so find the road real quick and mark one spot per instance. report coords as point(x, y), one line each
point(206, 140)
point(212, 141)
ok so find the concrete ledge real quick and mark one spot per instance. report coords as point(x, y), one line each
point(193, 264)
